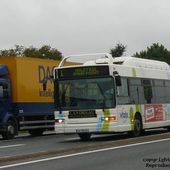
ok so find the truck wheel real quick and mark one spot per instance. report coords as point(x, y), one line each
point(11, 130)
point(137, 126)
point(84, 136)
point(36, 132)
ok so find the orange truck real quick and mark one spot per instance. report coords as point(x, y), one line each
point(24, 103)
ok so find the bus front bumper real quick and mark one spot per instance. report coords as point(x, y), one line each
point(91, 128)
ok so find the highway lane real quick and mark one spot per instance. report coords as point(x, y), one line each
point(27, 145)
point(24, 145)
point(147, 155)
point(26, 148)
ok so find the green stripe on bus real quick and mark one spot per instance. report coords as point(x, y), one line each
point(106, 124)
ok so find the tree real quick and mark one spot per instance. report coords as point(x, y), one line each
point(31, 52)
point(118, 50)
point(155, 52)
point(43, 52)
point(16, 51)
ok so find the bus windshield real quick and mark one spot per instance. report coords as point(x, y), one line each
point(91, 93)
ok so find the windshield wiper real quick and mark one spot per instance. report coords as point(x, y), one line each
point(104, 97)
point(63, 95)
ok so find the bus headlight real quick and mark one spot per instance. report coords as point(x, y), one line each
point(59, 120)
point(106, 119)
point(110, 118)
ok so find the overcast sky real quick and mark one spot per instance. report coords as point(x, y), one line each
point(85, 26)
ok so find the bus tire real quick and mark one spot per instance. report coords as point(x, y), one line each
point(84, 136)
point(11, 130)
point(137, 131)
point(36, 132)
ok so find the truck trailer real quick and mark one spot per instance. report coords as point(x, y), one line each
point(24, 103)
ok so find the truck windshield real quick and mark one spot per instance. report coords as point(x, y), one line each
point(96, 93)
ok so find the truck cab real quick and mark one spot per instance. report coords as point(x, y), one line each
point(7, 121)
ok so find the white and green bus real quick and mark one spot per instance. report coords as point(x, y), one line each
point(110, 95)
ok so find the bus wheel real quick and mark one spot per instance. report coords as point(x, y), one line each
point(11, 130)
point(137, 131)
point(84, 136)
point(36, 132)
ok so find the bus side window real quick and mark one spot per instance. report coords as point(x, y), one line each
point(147, 90)
point(167, 91)
point(123, 92)
point(133, 88)
point(136, 91)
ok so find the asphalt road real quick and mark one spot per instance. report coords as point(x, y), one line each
point(62, 145)
point(29, 145)
point(141, 156)
point(26, 144)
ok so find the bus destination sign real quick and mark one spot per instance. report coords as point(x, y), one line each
point(85, 71)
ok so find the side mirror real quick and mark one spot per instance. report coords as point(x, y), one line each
point(118, 81)
point(117, 78)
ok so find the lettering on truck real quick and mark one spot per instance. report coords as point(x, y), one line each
point(45, 74)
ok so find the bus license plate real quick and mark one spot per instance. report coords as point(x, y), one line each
point(82, 130)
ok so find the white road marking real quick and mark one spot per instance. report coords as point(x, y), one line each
point(11, 146)
point(82, 153)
